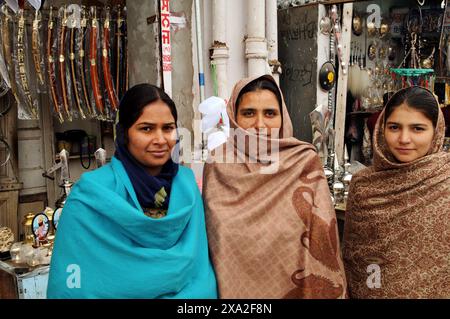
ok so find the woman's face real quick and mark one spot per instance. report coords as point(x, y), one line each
point(152, 137)
point(260, 110)
point(408, 133)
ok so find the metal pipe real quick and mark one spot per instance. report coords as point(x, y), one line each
point(256, 47)
point(272, 38)
point(198, 27)
point(220, 49)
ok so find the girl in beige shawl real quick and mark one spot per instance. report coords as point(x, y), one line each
point(272, 233)
point(397, 224)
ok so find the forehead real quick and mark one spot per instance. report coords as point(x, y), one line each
point(156, 112)
point(406, 115)
point(259, 98)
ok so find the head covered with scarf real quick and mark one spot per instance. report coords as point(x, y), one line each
point(146, 186)
point(398, 215)
point(270, 221)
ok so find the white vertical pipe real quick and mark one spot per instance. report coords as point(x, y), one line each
point(198, 27)
point(220, 50)
point(256, 47)
point(272, 38)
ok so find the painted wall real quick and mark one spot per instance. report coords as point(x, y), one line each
point(143, 43)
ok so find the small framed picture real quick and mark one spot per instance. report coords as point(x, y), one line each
point(55, 219)
point(41, 227)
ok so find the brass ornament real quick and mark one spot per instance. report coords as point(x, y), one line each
point(371, 29)
point(384, 29)
point(372, 51)
point(357, 25)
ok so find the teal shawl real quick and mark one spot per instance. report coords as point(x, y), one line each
point(106, 247)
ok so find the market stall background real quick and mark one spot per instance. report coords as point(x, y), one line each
point(334, 61)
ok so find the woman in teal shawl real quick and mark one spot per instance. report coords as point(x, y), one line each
point(135, 228)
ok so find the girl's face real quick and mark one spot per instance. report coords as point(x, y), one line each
point(152, 137)
point(408, 133)
point(260, 110)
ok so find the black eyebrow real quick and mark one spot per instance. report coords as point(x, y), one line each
point(148, 123)
point(413, 124)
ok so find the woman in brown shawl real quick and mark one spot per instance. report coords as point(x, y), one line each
point(397, 224)
point(271, 224)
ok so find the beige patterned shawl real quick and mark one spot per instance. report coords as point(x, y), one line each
point(272, 235)
point(398, 219)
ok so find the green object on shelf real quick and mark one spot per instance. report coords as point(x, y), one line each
point(412, 72)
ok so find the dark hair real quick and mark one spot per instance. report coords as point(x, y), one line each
point(135, 99)
point(415, 97)
point(260, 84)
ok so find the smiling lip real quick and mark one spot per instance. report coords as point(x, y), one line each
point(404, 150)
point(158, 153)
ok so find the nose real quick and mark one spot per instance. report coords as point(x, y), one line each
point(159, 137)
point(404, 137)
point(260, 123)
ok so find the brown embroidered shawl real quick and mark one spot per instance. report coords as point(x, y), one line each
point(398, 219)
point(272, 235)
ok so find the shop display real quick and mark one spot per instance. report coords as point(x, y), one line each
point(404, 46)
point(84, 65)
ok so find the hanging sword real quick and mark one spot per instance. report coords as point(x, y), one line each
point(118, 50)
point(22, 68)
point(81, 37)
point(6, 47)
point(93, 61)
point(62, 64)
point(112, 97)
point(36, 46)
point(73, 69)
point(51, 68)
point(125, 34)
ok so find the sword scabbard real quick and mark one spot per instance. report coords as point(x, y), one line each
point(93, 63)
point(105, 64)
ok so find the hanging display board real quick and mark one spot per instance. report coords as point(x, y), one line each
point(297, 51)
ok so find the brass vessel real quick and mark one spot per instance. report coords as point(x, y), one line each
point(28, 228)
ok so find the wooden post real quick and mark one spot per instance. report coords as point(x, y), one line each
point(341, 99)
point(9, 184)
